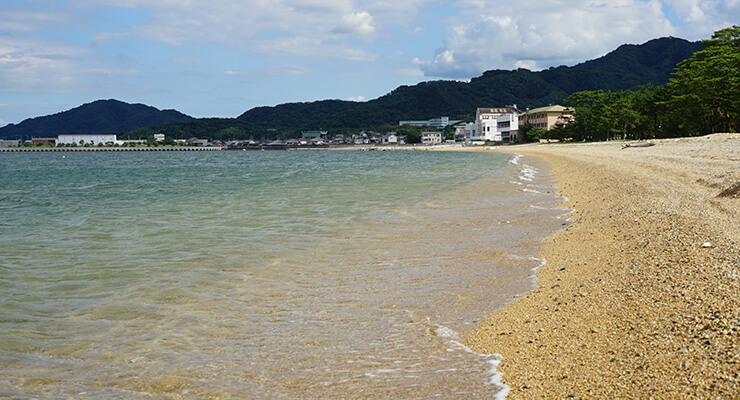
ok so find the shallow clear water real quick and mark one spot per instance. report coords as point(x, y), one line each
point(260, 274)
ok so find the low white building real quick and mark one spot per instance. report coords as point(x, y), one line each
point(360, 138)
point(9, 143)
point(87, 139)
point(390, 138)
point(430, 138)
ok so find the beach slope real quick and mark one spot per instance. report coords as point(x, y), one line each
point(640, 296)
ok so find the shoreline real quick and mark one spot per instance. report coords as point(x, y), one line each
point(640, 295)
point(101, 149)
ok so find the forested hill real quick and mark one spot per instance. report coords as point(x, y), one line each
point(102, 116)
point(627, 67)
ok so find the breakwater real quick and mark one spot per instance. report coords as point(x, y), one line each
point(43, 149)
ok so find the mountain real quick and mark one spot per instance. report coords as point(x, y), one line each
point(627, 67)
point(102, 116)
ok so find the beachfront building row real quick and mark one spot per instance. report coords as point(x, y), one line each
point(501, 125)
point(88, 139)
point(96, 140)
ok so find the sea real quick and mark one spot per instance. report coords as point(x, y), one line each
point(262, 274)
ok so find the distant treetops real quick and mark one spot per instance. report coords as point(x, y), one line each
point(701, 97)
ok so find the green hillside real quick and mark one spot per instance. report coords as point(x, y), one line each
point(627, 67)
point(102, 116)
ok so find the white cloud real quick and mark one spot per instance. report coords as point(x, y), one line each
point(414, 72)
point(103, 36)
point(357, 98)
point(360, 23)
point(689, 10)
point(188, 61)
point(28, 64)
point(491, 34)
point(275, 28)
point(276, 71)
point(29, 21)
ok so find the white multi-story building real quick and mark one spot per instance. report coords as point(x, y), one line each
point(430, 138)
point(495, 125)
point(507, 127)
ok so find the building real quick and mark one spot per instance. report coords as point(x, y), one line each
point(339, 139)
point(440, 122)
point(314, 135)
point(194, 141)
point(487, 125)
point(507, 128)
point(43, 141)
point(546, 117)
point(360, 138)
point(87, 139)
point(430, 138)
point(390, 138)
point(461, 131)
point(9, 143)
point(159, 137)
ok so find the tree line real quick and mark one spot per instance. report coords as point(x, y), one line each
point(701, 97)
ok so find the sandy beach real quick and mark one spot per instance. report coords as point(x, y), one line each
point(640, 296)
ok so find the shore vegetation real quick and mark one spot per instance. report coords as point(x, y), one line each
point(702, 97)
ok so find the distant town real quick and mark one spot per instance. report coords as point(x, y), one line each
point(492, 126)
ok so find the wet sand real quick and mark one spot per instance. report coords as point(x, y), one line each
point(640, 296)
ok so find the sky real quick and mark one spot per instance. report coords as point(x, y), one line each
point(220, 58)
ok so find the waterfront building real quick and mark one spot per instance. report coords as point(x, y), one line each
point(431, 138)
point(315, 135)
point(194, 141)
point(487, 128)
point(546, 117)
point(360, 138)
point(94, 139)
point(9, 143)
point(507, 128)
point(390, 138)
point(440, 122)
point(43, 141)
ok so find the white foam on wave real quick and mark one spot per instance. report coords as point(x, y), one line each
point(497, 377)
point(492, 359)
point(527, 173)
point(445, 332)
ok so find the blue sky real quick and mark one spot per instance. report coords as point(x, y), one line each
point(219, 58)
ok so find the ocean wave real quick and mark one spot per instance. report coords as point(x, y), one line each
point(496, 377)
